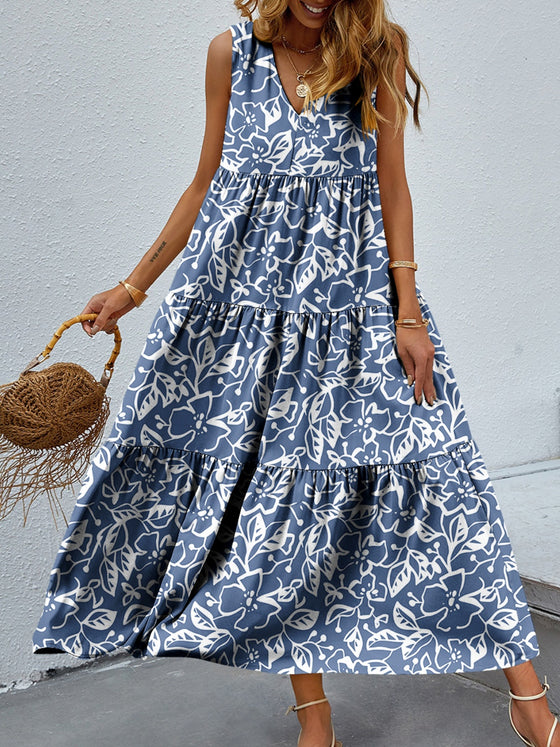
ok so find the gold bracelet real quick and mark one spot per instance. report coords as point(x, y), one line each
point(411, 323)
point(403, 263)
point(137, 296)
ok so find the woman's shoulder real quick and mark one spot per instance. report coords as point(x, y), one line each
point(234, 34)
point(236, 39)
point(241, 29)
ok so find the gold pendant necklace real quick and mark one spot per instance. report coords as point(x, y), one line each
point(301, 88)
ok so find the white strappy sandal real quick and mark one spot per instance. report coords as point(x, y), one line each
point(335, 742)
point(513, 697)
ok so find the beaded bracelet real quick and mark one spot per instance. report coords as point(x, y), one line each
point(411, 323)
point(137, 295)
point(403, 263)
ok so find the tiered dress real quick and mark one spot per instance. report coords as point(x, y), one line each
point(271, 497)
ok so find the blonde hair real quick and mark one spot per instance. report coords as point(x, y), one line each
point(358, 40)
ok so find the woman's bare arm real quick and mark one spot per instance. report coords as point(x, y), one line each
point(114, 303)
point(414, 346)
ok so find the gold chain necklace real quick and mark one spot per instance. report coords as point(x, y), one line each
point(302, 88)
point(301, 51)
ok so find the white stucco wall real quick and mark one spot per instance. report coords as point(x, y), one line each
point(103, 117)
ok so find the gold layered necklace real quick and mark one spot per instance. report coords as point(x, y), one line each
point(302, 87)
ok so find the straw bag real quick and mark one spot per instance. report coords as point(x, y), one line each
point(51, 422)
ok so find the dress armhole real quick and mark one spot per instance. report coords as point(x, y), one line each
point(235, 31)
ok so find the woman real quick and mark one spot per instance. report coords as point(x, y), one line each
point(276, 494)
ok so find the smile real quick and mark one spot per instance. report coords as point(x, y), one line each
point(315, 11)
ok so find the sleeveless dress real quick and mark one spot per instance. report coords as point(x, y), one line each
point(271, 497)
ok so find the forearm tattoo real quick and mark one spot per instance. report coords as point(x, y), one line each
point(158, 251)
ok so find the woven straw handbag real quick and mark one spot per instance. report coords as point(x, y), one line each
point(51, 422)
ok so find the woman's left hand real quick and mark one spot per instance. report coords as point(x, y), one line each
point(416, 351)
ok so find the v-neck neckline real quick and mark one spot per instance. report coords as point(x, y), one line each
point(283, 93)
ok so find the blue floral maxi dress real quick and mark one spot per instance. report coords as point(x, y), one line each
point(271, 497)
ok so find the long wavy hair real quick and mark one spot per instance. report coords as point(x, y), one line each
point(358, 42)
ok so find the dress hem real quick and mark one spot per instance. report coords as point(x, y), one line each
point(278, 671)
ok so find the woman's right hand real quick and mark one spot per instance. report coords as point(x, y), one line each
point(110, 306)
point(416, 351)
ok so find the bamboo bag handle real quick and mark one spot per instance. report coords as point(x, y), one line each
point(109, 366)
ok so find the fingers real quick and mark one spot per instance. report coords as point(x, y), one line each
point(408, 365)
point(92, 307)
point(424, 377)
point(419, 376)
point(109, 307)
point(110, 326)
point(416, 352)
point(106, 322)
point(429, 388)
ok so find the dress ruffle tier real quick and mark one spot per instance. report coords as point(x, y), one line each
point(360, 569)
point(248, 555)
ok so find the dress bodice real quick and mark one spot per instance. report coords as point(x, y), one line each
point(292, 219)
point(265, 134)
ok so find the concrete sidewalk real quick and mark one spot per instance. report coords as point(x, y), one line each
point(184, 702)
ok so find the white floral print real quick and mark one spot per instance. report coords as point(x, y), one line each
point(271, 497)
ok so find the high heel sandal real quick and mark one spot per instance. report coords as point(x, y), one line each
point(513, 697)
point(335, 742)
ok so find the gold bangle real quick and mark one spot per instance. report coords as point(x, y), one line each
point(403, 263)
point(411, 323)
point(137, 295)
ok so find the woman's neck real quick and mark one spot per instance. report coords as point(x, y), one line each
point(299, 35)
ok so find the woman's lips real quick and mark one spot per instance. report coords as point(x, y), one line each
point(317, 12)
